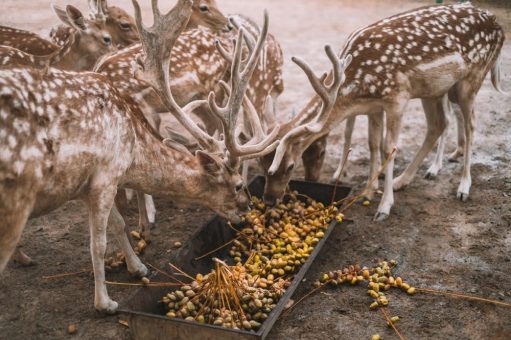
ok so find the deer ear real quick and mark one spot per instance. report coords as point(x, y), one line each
point(71, 16)
point(208, 163)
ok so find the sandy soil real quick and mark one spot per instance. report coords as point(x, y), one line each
point(438, 241)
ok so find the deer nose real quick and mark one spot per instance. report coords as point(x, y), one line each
point(229, 26)
point(269, 200)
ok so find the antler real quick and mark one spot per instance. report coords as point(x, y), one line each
point(328, 95)
point(240, 77)
point(98, 9)
point(157, 42)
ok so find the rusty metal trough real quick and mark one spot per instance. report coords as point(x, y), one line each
point(146, 316)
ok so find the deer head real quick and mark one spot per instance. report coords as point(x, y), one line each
point(118, 22)
point(219, 159)
point(206, 13)
point(92, 39)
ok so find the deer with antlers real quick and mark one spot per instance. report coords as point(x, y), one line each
point(197, 67)
point(432, 53)
point(47, 155)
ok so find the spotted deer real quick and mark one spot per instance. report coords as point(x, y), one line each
point(197, 67)
point(90, 41)
point(47, 154)
point(118, 66)
point(432, 53)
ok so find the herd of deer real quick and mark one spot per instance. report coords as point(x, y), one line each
point(80, 115)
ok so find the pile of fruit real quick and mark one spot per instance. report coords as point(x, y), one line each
point(269, 248)
point(228, 296)
point(379, 280)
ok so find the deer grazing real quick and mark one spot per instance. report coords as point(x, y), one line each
point(433, 53)
point(47, 155)
point(196, 69)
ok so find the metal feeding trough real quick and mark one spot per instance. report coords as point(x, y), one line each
point(146, 316)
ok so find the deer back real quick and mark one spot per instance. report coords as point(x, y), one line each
point(26, 41)
point(54, 120)
point(195, 69)
point(422, 52)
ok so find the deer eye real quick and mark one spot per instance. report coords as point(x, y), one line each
point(204, 8)
point(125, 26)
point(107, 40)
point(239, 187)
point(290, 167)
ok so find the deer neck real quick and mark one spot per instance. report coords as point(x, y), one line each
point(70, 57)
point(160, 169)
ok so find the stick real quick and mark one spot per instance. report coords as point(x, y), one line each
point(165, 274)
point(182, 272)
point(372, 180)
point(150, 284)
point(463, 296)
point(304, 297)
point(382, 310)
point(58, 276)
point(339, 176)
point(216, 249)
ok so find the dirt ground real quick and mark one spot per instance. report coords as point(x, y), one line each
point(438, 241)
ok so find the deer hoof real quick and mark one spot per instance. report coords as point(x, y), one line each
point(23, 259)
point(380, 216)
point(462, 196)
point(107, 307)
point(155, 230)
point(455, 156)
point(139, 271)
point(431, 175)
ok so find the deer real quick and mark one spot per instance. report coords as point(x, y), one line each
point(47, 155)
point(89, 37)
point(434, 53)
point(197, 68)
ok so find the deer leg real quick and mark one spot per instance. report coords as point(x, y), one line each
point(23, 259)
point(135, 266)
point(393, 124)
point(244, 171)
point(143, 216)
point(375, 134)
point(467, 108)
point(438, 163)
point(100, 202)
point(348, 132)
point(313, 159)
point(437, 121)
point(458, 153)
point(12, 224)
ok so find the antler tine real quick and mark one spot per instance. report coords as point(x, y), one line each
point(157, 42)
point(316, 82)
point(253, 119)
point(223, 51)
point(239, 82)
point(248, 39)
point(104, 6)
point(328, 94)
